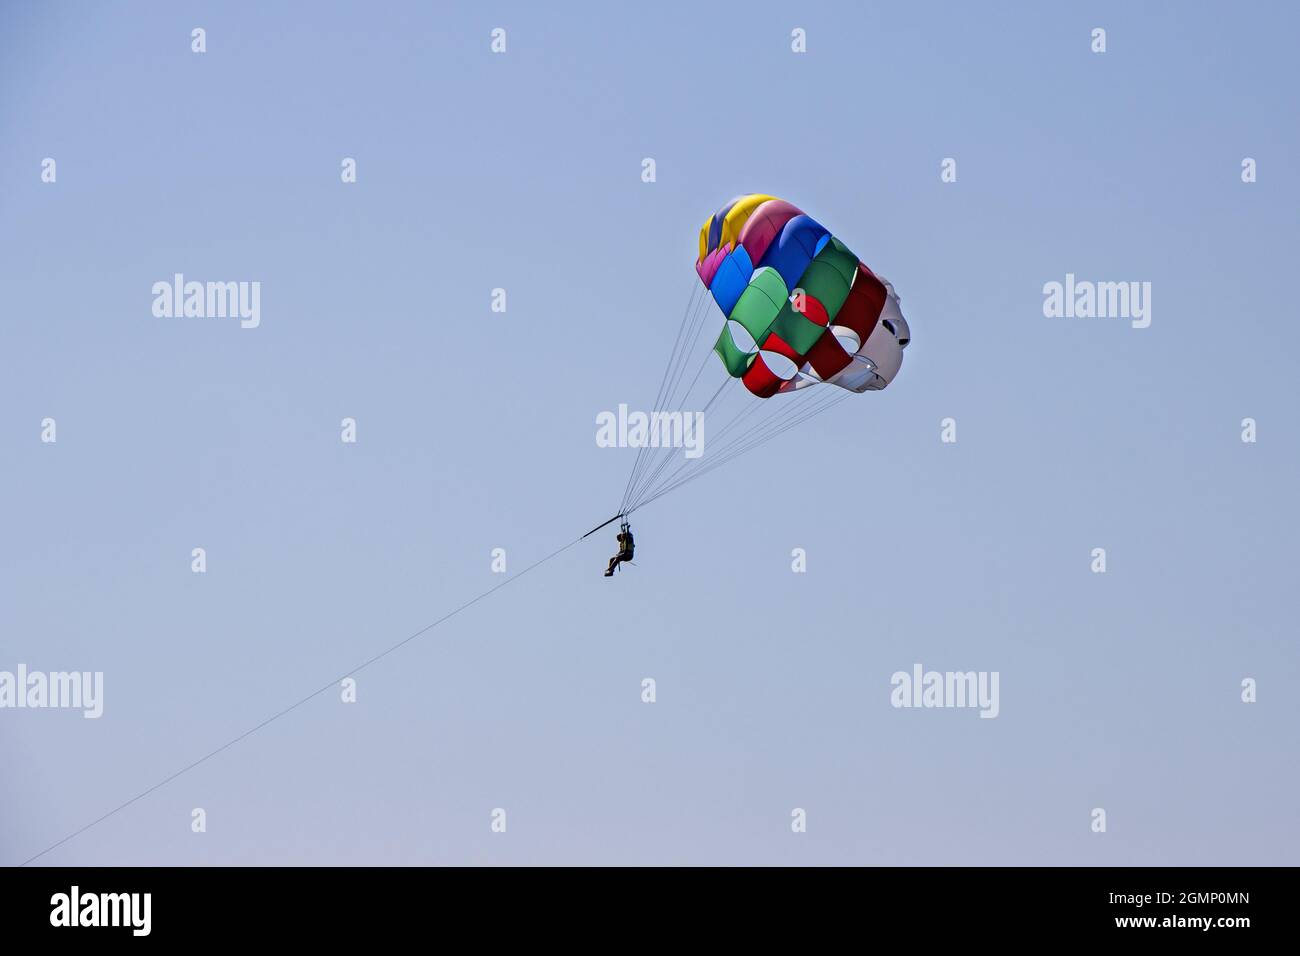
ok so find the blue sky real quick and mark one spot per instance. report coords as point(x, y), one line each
point(476, 431)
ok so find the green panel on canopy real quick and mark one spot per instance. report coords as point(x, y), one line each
point(829, 275)
point(768, 281)
point(760, 302)
point(837, 254)
point(826, 284)
point(798, 331)
point(735, 359)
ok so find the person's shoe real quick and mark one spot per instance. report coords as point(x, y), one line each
point(609, 573)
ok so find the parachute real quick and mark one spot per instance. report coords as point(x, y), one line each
point(798, 294)
point(800, 310)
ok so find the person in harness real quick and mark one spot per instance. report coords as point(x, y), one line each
point(625, 549)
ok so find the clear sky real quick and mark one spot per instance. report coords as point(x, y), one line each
point(476, 430)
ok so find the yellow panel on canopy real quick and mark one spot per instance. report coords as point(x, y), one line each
point(738, 215)
point(734, 221)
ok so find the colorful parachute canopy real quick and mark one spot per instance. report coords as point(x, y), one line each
point(810, 307)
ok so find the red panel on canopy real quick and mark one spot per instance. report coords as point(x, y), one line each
point(813, 310)
point(774, 343)
point(828, 357)
point(760, 379)
point(861, 310)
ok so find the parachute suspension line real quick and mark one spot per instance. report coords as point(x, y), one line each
point(672, 378)
point(775, 413)
point(693, 337)
point(649, 458)
point(649, 486)
point(746, 411)
point(665, 454)
point(695, 381)
point(812, 409)
point(808, 414)
point(769, 412)
point(654, 479)
point(679, 405)
point(673, 357)
point(753, 438)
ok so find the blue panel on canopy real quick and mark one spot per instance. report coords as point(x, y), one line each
point(715, 227)
point(730, 280)
point(800, 240)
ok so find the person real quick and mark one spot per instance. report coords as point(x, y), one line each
point(625, 549)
